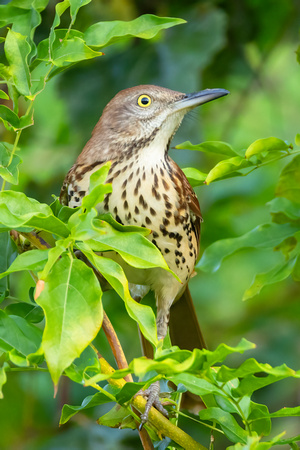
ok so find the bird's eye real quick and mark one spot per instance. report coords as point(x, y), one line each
point(144, 101)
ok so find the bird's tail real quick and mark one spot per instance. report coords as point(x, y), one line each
point(184, 327)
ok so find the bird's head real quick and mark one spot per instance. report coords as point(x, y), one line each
point(138, 115)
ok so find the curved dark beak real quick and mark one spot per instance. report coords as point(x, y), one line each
point(198, 98)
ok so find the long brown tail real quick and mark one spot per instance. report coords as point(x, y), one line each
point(183, 326)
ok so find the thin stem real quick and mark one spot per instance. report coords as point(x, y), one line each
point(115, 345)
point(236, 404)
point(18, 134)
point(26, 369)
point(211, 427)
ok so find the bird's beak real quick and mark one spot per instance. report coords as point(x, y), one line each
point(190, 101)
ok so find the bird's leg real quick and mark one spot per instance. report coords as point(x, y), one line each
point(153, 391)
point(153, 400)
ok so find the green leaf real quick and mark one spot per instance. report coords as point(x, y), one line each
point(254, 444)
point(134, 248)
point(297, 139)
point(7, 255)
point(17, 358)
point(31, 312)
point(217, 147)
point(24, 17)
point(71, 300)
point(250, 382)
point(71, 51)
point(118, 417)
point(3, 377)
point(266, 145)
point(223, 350)
point(31, 260)
point(287, 246)
point(53, 254)
point(281, 206)
point(20, 212)
point(100, 398)
point(251, 366)
point(97, 188)
point(118, 226)
point(296, 271)
point(263, 236)
point(145, 27)
point(4, 95)
point(82, 226)
point(60, 8)
point(86, 363)
point(195, 177)
point(38, 5)
point(62, 212)
point(173, 361)
point(17, 50)
point(114, 274)
point(9, 170)
point(278, 273)
point(128, 391)
point(75, 5)
point(287, 412)
point(242, 408)
point(8, 117)
point(196, 385)
point(227, 422)
point(259, 419)
point(99, 176)
point(17, 333)
point(227, 167)
point(289, 181)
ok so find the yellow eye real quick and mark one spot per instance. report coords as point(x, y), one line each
point(144, 101)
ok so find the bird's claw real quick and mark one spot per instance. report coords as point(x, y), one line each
point(153, 400)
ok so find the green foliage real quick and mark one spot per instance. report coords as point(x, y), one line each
point(282, 234)
point(262, 151)
point(56, 328)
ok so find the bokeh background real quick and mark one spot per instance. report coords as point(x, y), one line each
point(247, 47)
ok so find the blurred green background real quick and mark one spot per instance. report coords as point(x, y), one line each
point(247, 47)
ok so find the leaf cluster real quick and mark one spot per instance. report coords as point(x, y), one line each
point(67, 249)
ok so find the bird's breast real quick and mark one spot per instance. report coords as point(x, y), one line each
point(147, 195)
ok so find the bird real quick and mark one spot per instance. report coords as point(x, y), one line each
point(149, 190)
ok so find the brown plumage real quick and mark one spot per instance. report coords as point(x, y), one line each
point(149, 189)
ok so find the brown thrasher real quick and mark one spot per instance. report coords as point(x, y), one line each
point(149, 190)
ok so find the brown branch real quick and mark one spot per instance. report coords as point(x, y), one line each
point(115, 345)
point(122, 364)
point(33, 237)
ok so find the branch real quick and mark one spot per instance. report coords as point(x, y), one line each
point(33, 237)
point(160, 422)
point(122, 364)
point(115, 345)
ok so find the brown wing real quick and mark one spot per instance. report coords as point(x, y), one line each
point(63, 197)
point(190, 197)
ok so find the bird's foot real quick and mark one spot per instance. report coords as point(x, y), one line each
point(152, 394)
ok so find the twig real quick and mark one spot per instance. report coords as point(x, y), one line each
point(115, 345)
point(160, 422)
point(122, 364)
